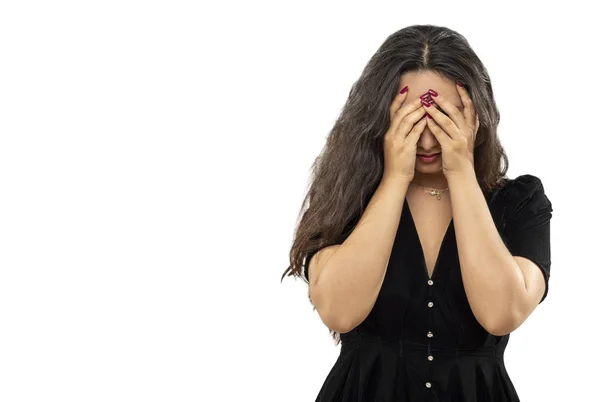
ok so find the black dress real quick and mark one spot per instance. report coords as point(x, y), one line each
point(421, 341)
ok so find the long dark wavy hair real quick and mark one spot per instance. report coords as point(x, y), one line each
point(347, 172)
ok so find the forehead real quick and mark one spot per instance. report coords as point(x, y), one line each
point(421, 82)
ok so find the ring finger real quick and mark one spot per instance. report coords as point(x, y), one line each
point(409, 121)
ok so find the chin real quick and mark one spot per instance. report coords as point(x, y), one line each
point(429, 168)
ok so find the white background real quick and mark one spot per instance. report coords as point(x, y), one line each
point(153, 159)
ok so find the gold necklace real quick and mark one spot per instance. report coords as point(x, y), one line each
point(432, 191)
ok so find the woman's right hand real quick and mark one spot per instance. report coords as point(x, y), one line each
point(407, 122)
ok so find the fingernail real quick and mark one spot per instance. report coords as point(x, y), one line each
point(460, 85)
point(427, 104)
point(404, 89)
point(432, 92)
point(425, 95)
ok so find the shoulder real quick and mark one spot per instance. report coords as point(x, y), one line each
point(523, 186)
point(524, 183)
point(525, 193)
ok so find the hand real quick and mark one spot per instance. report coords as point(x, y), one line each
point(454, 131)
point(400, 141)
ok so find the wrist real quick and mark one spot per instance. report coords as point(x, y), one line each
point(396, 181)
point(461, 176)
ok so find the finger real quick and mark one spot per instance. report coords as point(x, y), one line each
point(452, 113)
point(414, 134)
point(468, 105)
point(443, 121)
point(407, 123)
point(403, 112)
point(398, 101)
point(443, 138)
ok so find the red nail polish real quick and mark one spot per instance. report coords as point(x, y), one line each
point(460, 85)
point(432, 92)
point(404, 89)
point(429, 116)
point(424, 102)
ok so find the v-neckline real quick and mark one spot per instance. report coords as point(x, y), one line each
point(420, 245)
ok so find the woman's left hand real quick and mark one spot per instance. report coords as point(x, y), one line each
point(454, 131)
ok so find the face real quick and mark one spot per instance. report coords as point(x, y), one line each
point(419, 83)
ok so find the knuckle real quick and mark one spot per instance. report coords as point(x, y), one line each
point(402, 128)
point(408, 121)
point(460, 144)
point(412, 119)
point(401, 113)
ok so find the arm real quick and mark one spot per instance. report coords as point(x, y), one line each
point(502, 290)
point(344, 280)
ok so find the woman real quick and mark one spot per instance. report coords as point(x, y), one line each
point(421, 265)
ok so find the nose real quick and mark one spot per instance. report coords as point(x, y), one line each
point(428, 140)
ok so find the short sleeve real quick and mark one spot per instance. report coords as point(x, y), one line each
point(310, 254)
point(527, 225)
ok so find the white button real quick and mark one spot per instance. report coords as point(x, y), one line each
point(430, 334)
point(428, 384)
point(430, 358)
point(430, 282)
point(430, 304)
